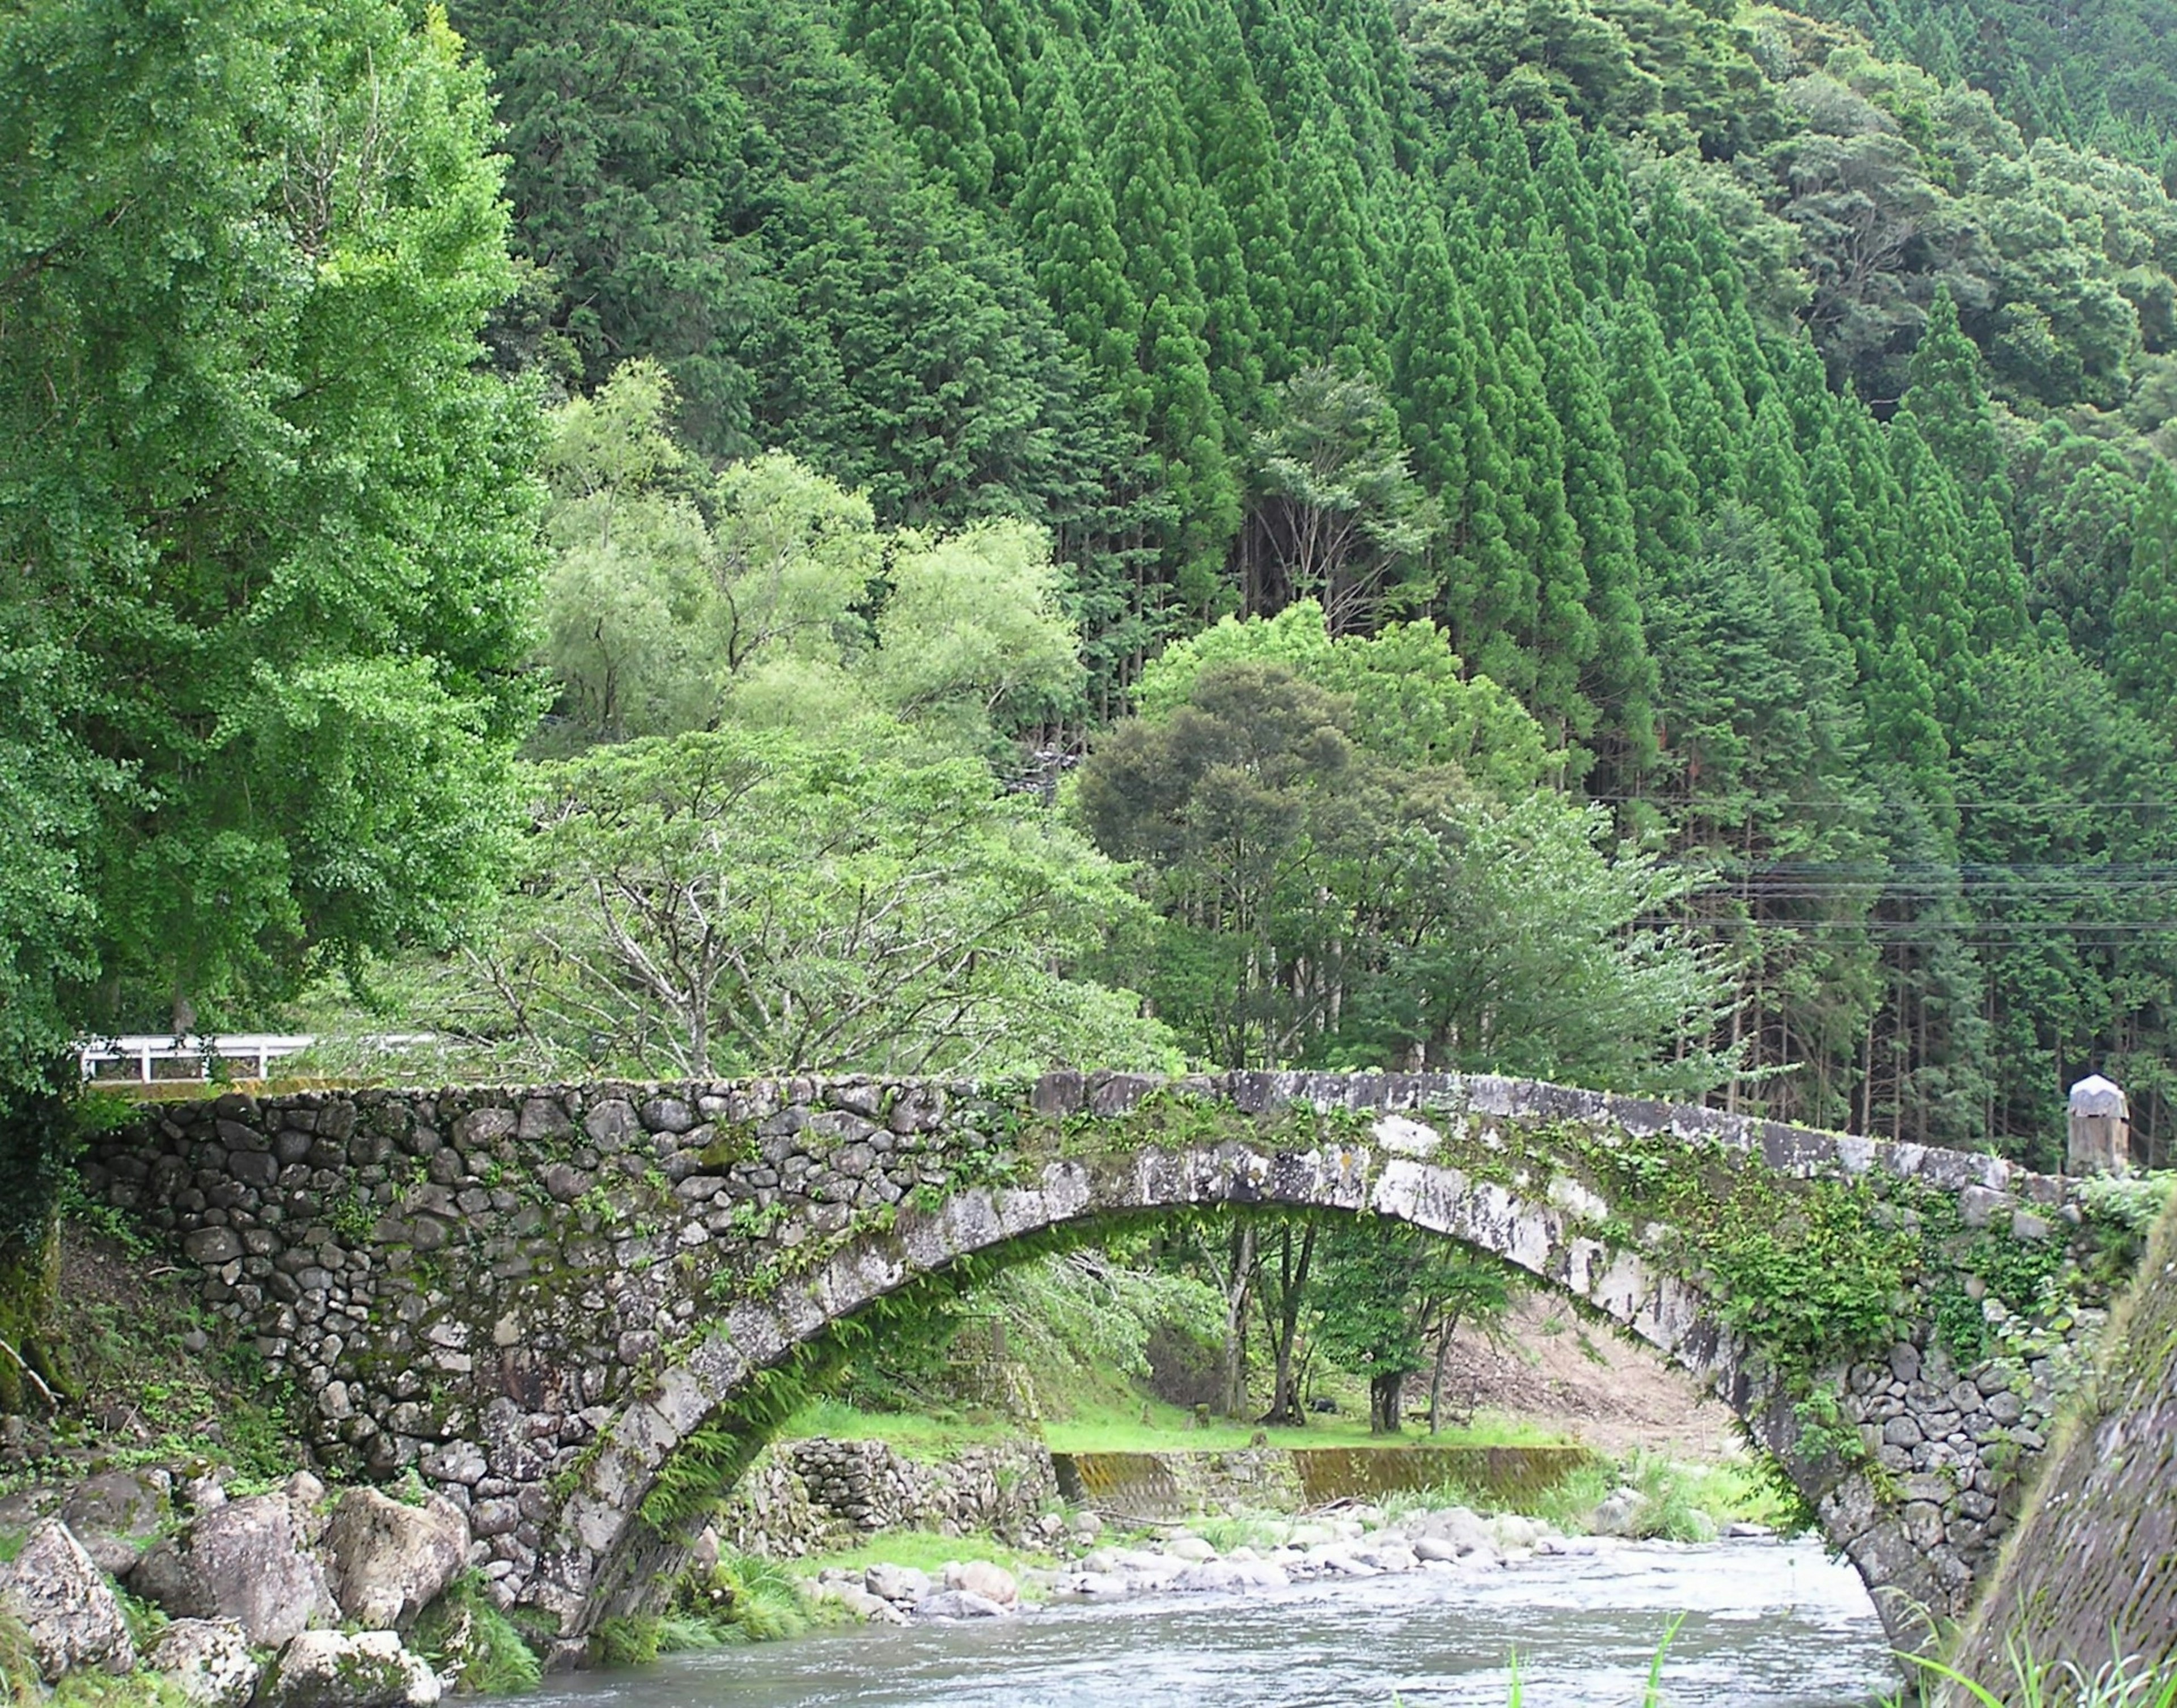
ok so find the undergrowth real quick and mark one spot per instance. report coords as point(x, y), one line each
point(464, 1637)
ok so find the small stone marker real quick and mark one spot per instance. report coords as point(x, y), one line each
point(2101, 1128)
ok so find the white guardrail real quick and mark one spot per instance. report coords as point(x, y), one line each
point(240, 1054)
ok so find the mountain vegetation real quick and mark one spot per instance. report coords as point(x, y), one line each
point(1627, 539)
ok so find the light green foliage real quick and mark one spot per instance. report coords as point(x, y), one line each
point(1350, 523)
point(269, 521)
point(278, 519)
point(742, 899)
point(1091, 1309)
point(768, 595)
point(1390, 1297)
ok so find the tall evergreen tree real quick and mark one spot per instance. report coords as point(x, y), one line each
point(938, 100)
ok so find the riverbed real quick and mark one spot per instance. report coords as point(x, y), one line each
point(1767, 1624)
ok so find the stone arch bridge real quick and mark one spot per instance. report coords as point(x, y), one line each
point(568, 1308)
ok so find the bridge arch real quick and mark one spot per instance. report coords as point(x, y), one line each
point(546, 1299)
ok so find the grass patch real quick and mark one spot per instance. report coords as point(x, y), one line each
point(926, 1551)
point(912, 1435)
point(1150, 1426)
point(748, 1598)
point(11, 1545)
point(18, 1673)
point(465, 1636)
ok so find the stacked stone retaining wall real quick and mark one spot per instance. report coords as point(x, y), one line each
point(2089, 1578)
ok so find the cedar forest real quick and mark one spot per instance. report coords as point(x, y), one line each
point(1625, 540)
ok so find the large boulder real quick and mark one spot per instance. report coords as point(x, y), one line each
point(64, 1601)
point(332, 1669)
point(208, 1660)
point(389, 1561)
point(994, 1583)
point(118, 1514)
point(249, 1560)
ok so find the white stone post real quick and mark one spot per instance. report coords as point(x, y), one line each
point(2101, 1128)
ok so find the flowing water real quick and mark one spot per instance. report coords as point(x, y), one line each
point(1767, 1625)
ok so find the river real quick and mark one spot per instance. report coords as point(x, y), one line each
point(1767, 1625)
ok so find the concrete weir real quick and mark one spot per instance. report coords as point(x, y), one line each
point(553, 1302)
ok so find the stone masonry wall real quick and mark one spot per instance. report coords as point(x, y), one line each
point(2090, 1577)
point(534, 1296)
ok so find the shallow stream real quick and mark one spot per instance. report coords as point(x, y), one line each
point(1767, 1625)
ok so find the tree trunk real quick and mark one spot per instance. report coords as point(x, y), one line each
point(1385, 1394)
point(34, 1371)
point(1445, 1330)
point(1292, 1278)
point(1232, 1373)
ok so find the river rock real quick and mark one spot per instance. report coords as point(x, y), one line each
point(249, 1560)
point(1339, 1560)
point(994, 1583)
point(332, 1669)
point(65, 1603)
point(863, 1606)
point(1192, 1549)
point(117, 1514)
point(957, 1604)
point(389, 1561)
point(208, 1660)
point(1230, 1577)
point(1107, 1585)
point(1387, 1557)
point(902, 1585)
point(1617, 1514)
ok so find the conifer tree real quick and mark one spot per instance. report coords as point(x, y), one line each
point(1619, 678)
point(1572, 209)
point(1242, 165)
point(1775, 485)
point(2143, 661)
point(937, 102)
point(1066, 212)
point(1335, 307)
point(1660, 486)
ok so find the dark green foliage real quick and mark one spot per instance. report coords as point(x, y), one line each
point(1758, 404)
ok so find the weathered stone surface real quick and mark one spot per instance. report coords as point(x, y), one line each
point(331, 1669)
point(209, 1659)
point(993, 1583)
point(534, 1297)
point(249, 1560)
point(957, 1604)
point(897, 1583)
point(387, 1561)
point(71, 1613)
point(117, 1514)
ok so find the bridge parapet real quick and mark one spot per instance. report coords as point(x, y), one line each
point(566, 1306)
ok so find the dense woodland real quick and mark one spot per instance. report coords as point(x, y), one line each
point(1775, 405)
point(1622, 539)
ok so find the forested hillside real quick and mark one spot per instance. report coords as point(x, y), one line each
point(1778, 412)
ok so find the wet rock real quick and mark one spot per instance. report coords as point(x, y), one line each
point(63, 1601)
point(332, 1669)
point(208, 1660)
point(957, 1604)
